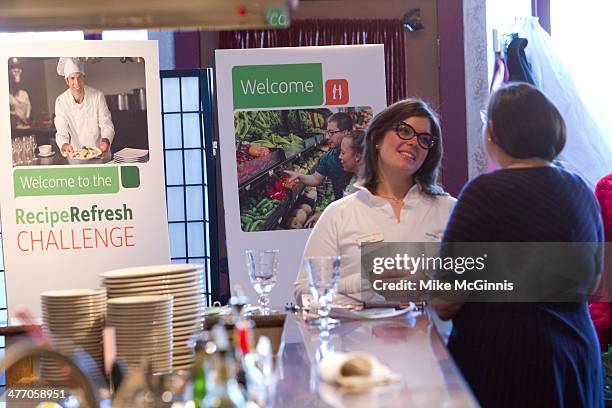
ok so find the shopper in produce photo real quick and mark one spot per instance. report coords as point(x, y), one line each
point(339, 125)
point(82, 119)
point(398, 198)
point(350, 157)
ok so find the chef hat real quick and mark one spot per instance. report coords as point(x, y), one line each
point(67, 66)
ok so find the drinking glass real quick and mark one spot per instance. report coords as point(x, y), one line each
point(323, 279)
point(32, 146)
point(263, 267)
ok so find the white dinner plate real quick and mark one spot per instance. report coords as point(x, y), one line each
point(155, 270)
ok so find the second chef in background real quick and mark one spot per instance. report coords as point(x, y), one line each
point(82, 118)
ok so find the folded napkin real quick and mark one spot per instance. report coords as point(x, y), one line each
point(355, 372)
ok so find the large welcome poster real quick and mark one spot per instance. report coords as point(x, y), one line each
point(278, 111)
point(81, 164)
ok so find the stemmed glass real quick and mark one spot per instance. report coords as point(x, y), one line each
point(263, 267)
point(323, 279)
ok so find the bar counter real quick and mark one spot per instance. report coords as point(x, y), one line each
point(410, 347)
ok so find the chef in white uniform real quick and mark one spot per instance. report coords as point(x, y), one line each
point(19, 100)
point(82, 118)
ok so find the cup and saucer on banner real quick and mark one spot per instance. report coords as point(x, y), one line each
point(45, 151)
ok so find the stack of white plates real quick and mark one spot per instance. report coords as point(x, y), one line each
point(129, 155)
point(74, 318)
point(183, 282)
point(143, 330)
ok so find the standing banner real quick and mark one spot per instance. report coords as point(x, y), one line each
point(81, 162)
point(279, 111)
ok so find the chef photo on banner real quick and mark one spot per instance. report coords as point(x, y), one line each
point(82, 118)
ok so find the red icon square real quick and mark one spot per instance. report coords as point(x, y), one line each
point(336, 92)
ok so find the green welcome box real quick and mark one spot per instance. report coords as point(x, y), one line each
point(275, 86)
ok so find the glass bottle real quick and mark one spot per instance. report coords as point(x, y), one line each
point(223, 391)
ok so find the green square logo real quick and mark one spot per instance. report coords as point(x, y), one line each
point(130, 177)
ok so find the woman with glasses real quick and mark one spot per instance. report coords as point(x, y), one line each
point(398, 198)
point(526, 354)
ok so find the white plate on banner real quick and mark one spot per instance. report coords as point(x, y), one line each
point(131, 153)
point(155, 270)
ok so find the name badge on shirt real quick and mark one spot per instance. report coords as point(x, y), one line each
point(370, 238)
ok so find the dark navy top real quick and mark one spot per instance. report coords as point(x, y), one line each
point(330, 166)
point(527, 354)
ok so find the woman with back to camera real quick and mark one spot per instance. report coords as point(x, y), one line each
point(398, 198)
point(526, 354)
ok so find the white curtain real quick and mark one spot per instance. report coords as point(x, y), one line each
point(588, 151)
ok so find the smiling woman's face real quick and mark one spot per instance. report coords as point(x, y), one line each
point(404, 155)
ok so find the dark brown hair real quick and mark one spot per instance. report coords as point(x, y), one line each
point(343, 120)
point(526, 123)
point(427, 175)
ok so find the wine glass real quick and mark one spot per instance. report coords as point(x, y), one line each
point(323, 279)
point(262, 266)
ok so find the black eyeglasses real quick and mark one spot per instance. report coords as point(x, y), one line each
point(333, 132)
point(407, 132)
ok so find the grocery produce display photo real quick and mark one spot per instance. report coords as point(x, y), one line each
point(269, 143)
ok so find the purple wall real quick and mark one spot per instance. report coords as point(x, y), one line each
point(187, 50)
point(452, 95)
point(541, 9)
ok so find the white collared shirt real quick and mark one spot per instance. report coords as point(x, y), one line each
point(83, 124)
point(363, 216)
